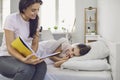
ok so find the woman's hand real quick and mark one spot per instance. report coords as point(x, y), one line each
point(29, 60)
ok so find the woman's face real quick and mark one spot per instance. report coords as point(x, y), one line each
point(73, 51)
point(31, 12)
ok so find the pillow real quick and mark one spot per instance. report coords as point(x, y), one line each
point(98, 50)
point(93, 65)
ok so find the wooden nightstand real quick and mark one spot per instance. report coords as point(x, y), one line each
point(91, 38)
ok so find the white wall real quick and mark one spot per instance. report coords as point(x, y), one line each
point(78, 35)
point(14, 6)
point(0, 13)
point(109, 19)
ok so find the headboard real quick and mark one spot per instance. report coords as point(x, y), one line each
point(115, 59)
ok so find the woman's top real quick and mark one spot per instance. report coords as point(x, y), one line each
point(19, 26)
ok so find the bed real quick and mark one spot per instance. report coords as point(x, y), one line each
point(58, 74)
point(71, 74)
point(67, 74)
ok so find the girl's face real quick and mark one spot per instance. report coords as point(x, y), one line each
point(31, 12)
point(73, 51)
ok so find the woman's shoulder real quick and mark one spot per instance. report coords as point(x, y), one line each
point(13, 16)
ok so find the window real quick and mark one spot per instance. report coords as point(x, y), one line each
point(0, 13)
point(47, 14)
point(66, 14)
point(59, 13)
point(4, 11)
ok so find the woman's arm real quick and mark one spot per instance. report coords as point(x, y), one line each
point(9, 36)
point(35, 41)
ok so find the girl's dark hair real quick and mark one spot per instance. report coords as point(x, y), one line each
point(84, 49)
point(23, 4)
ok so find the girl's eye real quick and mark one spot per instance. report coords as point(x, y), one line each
point(72, 49)
point(33, 10)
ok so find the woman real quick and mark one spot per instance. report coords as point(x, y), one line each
point(25, 24)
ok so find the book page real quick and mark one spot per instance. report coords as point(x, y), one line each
point(26, 45)
point(46, 56)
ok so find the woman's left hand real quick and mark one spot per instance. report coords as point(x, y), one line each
point(29, 60)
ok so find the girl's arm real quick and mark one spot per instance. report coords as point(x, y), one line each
point(58, 63)
point(56, 57)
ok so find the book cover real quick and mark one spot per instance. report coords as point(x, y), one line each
point(22, 47)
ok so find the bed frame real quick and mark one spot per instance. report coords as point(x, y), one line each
point(114, 60)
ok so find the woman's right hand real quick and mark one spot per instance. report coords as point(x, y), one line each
point(30, 60)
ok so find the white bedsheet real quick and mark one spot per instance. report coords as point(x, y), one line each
point(58, 74)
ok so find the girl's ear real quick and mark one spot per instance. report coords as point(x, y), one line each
point(23, 10)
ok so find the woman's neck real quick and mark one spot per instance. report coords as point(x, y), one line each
point(24, 17)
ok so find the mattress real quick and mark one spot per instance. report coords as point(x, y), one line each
point(59, 74)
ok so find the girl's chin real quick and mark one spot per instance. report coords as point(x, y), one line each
point(33, 17)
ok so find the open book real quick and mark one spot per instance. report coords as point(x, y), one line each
point(21, 46)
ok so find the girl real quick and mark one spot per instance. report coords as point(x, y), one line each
point(66, 50)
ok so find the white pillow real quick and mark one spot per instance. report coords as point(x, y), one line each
point(86, 65)
point(98, 50)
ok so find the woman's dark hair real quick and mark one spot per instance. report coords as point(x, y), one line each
point(84, 49)
point(23, 4)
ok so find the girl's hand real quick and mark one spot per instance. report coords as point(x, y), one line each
point(68, 54)
point(30, 60)
point(58, 63)
point(65, 58)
